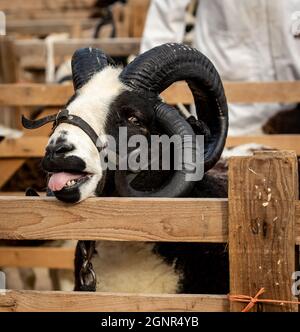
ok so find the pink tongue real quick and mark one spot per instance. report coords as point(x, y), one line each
point(58, 180)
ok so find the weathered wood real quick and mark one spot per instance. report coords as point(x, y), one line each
point(34, 143)
point(109, 302)
point(24, 147)
point(243, 92)
point(57, 95)
point(137, 16)
point(107, 218)
point(8, 74)
point(32, 53)
point(279, 142)
point(129, 219)
point(46, 27)
point(48, 257)
point(41, 14)
point(262, 194)
point(18, 5)
point(8, 168)
point(297, 225)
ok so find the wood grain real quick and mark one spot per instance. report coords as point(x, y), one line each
point(297, 225)
point(8, 167)
point(23, 147)
point(30, 94)
point(129, 219)
point(278, 142)
point(118, 219)
point(34, 142)
point(32, 53)
point(30, 301)
point(45, 4)
point(45, 27)
point(48, 257)
point(262, 194)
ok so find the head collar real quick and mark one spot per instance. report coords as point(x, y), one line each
point(63, 116)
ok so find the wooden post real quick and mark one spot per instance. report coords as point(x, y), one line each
point(262, 194)
point(9, 74)
point(138, 12)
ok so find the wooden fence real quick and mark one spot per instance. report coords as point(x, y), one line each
point(14, 152)
point(32, 53)
point(260, 221)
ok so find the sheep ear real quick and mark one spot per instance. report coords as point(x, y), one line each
point(86, 62)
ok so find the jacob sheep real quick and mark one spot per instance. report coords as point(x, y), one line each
point(107, 98)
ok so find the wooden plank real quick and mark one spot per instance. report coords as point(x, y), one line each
point(137, 11)
point(48, 257)
point(34, 94)
point(262, 194)
point(95, 218)
point(45, 27)
point(128, 219)
point(243, 92)
point(32, 53)
point(297, 226)
point(35, 141)
point(111, 46)
point(8, 168)
point(30, 94)
point(41, 14)
point(18, 5)
point(109, 302)
point(9, 73)
point(263, 92)
point(24, 147)
point(280, 142)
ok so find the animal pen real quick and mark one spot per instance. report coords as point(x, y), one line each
point(260, 220)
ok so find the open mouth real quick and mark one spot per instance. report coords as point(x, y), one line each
point(59, 181)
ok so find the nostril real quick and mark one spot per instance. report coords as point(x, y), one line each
point(63, 148)
point(59, 149)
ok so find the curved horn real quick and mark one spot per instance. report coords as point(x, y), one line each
point(173, 124)
point(153, 71)
point(85, 63)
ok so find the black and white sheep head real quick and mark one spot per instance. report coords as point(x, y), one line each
point(105, 103)
point(107, 98)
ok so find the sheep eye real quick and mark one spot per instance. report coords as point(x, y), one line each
point(134, 120)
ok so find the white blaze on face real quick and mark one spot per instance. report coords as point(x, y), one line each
point(92, 104)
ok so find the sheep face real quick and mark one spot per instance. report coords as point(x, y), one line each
point(72, 159)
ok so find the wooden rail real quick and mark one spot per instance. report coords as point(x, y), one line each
point(48, 26)
point(119, 219)
point(260, 220)
point(138, 219)
point(32, 53)
point(109, 302)
point(49, 257)
point(34, 146)
point(31, 94)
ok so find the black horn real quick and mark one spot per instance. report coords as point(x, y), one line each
point(154, 71)
point(173, 124)
point(86, 62)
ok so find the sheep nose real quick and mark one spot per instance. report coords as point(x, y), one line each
point(59, 149)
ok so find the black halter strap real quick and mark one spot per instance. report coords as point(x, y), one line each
point(63, 116)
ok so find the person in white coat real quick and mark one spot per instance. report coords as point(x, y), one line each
point(246, 40)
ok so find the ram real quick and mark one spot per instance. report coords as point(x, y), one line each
point(106, 99)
